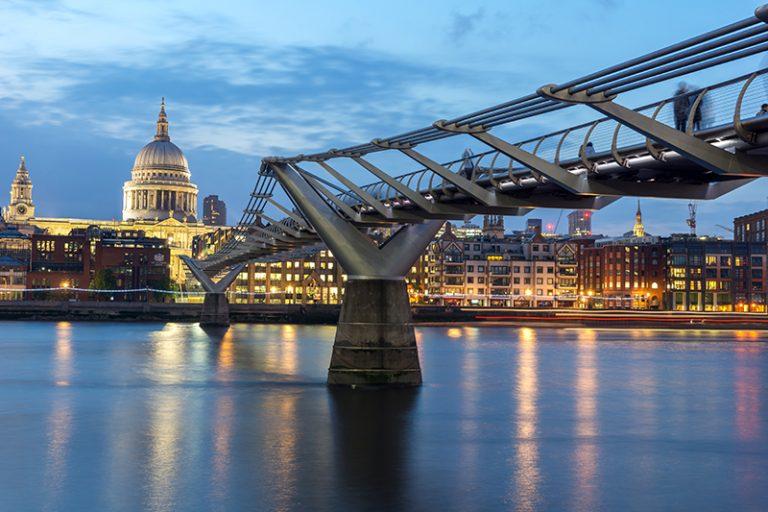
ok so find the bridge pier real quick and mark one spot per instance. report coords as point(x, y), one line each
point(375, 344)
point(215, 312)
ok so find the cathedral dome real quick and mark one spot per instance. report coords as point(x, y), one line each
point(160, 185)
point(161, 154)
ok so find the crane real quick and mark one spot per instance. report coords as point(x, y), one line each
point(557, 224)
point(691, 221)
point(725, 228)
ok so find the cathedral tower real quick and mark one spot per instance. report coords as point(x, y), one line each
point(21, 207)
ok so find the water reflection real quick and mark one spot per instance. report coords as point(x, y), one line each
point(62, 361)
point(168, 354)
point(225, 355)
point(59, 421)
point(586, 387)
point(59, 426)
point(222, 447)
point(165, 430)
point(241, 419)
point(470, 425)
point(372, 438)
point(749, 385)
point(282, 442)
point(527, 450)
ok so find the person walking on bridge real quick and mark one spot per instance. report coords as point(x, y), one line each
point(682, 105)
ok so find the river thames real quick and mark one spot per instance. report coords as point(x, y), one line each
point(160, 417)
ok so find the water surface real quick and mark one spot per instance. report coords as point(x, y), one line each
point(160, 417)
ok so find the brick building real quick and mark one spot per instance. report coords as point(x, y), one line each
point(716, 275)
point(59, 261)
point(623, 273)
point(751, 228)
point(72, 261)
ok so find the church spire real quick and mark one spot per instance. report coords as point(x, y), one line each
point(22, 174)
point(639, 229)
point(162, 123)
point(21, 207)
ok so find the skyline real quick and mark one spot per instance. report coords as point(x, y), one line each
point(81, 102)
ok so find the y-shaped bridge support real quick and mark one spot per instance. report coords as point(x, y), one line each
point(375, 343)
point(215, 306)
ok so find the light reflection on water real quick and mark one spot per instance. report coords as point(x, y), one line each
point(586, 450)
point(167, 417)
point(527, 451)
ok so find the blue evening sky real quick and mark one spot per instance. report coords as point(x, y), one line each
point(80, 84)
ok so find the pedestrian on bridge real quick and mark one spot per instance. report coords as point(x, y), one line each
point(682, 106)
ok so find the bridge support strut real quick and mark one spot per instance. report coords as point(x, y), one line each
point(375, 343)
point(215, 312)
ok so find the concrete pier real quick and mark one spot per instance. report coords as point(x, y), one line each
point(215, 310)
point(375, 342)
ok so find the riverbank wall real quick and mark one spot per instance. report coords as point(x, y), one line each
point(425, 315)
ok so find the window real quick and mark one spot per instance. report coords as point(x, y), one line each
point(678, 284)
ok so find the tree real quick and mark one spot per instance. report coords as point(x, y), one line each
point(103, 279)
point(162, 283)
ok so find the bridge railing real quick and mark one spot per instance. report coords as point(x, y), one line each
point(717, 107)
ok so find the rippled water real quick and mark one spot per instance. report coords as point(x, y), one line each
point(168, 417)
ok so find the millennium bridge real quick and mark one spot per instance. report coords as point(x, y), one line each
point(713, 145)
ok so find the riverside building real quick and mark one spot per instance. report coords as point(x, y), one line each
point(73, 261)
point(707, 274)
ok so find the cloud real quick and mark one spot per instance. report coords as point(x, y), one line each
point(464, 25)
point(251, 99)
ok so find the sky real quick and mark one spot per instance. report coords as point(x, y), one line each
point(81, 82)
